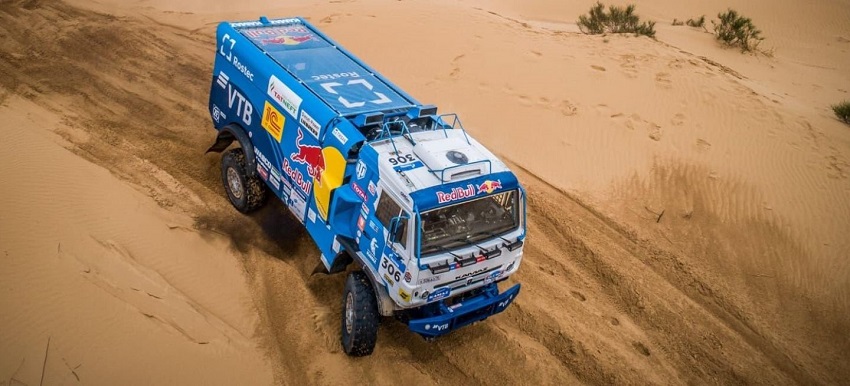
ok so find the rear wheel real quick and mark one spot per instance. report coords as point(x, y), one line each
point(245, 192)
point(360, 315)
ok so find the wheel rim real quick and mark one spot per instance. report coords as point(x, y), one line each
point(349, 312)
point(234, 183)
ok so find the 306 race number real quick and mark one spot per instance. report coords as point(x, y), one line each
point(394, 272)
point(402, 159)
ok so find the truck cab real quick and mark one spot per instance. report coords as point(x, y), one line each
point(431, 220)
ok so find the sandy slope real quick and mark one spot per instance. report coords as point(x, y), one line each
point(124, 290)
point(743, 279)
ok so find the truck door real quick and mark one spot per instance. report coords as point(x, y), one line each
point(391, 253)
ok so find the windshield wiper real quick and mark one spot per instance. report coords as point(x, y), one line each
point(443, 249)
point(472, 259)
point(496, 252)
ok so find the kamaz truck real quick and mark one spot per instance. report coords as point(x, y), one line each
point(431, 220)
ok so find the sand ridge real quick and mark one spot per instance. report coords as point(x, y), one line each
point(660, 248)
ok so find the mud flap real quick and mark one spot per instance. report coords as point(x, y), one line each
point(222, 141)
point(226, 136)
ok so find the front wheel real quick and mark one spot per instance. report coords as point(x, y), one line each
point(245, 192)
point(359, 315)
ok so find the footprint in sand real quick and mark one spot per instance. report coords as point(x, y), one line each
point(654, 132)
point(678, 119)
point(568, 109)
point(641, 348)
point(662, 79)
point(578, 296)
point(597, 68)
point(702, 145)
point(836, 167)
point(331, 18)
point(455, 73)
point(629, 65)
point(676, 63)
point(634, 122)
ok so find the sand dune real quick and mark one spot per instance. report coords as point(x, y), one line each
point(688, 202)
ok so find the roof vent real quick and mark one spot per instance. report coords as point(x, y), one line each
point(457, 157)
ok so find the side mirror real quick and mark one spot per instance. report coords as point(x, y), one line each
point(398, 225)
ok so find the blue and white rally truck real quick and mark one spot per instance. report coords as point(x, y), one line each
point(432, 219)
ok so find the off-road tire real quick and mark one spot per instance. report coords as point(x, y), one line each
point(249, 194)
point(358, 338)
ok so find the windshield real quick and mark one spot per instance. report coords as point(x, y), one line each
point(470, 222)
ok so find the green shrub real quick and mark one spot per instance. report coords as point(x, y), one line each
point(735, 30)
point(696, 22)
point(616, 20)
point(842, 111)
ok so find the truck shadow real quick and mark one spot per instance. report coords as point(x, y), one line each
point(271, 229)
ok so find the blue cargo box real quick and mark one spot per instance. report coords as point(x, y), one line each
point(341, 81)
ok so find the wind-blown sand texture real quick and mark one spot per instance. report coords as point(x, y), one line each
point(689, 204)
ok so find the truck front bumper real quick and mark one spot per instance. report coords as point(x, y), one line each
point(446, 319)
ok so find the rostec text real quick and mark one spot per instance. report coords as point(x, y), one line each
point(243, 69)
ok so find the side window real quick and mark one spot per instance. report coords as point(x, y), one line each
point(402, 229)
point(387, 209)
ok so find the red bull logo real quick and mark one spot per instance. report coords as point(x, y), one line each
point(311, 156)
point(296, 177)
point(456, 194)
point(489, 186)
point(288, 40)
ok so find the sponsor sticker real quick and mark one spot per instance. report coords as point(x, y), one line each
point(222, 80)
point(340, 136)
point(441, 293)
point(373, 190)
point(429, 279)
point(244, 24)
point(235, 99)
point(309, 155)
point(263, 172)
point(489, 186)
point(296, 176)
point(404, 295)
point(287, 36)
point(408, 277)
point(273, 121)
point(492, 277)
point(218, 114)
point(361, 169)
point(358, 190)
point(310, 124)
point(284, 96)
point(389, 280)
point(262, 158)
point(298, 205)
point(373, 246)
point(275, 182)
point(275, 174)
point(456, 194)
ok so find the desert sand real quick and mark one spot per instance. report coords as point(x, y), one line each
point(689, 204)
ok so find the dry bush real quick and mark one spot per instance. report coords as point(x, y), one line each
point(616, 20)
